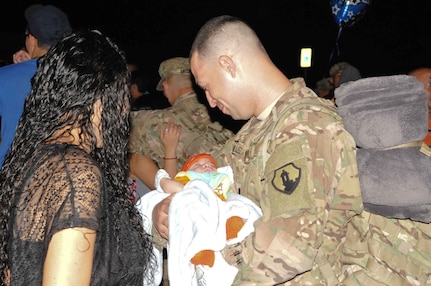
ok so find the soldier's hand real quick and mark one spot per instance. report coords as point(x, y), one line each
point(161, 215)
point(232, 254)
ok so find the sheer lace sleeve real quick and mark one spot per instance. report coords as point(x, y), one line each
point(61, 190)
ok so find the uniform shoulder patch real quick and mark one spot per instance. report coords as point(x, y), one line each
point(286, 178)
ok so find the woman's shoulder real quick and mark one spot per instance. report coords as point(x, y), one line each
point(72, 159)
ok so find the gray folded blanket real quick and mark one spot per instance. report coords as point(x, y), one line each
point(381, 113)
point(396, 183)
point(385, 111)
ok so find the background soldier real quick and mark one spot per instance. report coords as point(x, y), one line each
point(199, 134)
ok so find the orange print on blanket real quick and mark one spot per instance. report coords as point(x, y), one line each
point(204, 257)
point(233, 226)
point(207, 257)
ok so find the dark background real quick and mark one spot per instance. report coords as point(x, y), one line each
point(391, 37)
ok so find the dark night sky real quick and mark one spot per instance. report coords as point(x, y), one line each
point(392, 36)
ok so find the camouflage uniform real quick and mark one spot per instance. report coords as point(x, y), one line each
point(299, 166)
point(198, 133)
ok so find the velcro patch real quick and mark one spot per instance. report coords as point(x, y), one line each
point(286, 178)
point(289, 184)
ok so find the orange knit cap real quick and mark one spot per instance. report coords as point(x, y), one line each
point(196, 157)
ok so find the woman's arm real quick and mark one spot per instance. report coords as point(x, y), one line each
point(69, 260)
point(143, 168)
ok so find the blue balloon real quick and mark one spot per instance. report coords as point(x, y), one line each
point(347, 12)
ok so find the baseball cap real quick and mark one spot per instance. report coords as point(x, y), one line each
point(172, 66)
point(197, 157)
point(47, 23)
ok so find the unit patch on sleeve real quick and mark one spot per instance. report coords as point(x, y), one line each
point(286, 178)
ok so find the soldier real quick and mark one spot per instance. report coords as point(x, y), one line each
point(293, 158)
point(199, 134)
point(340, 73)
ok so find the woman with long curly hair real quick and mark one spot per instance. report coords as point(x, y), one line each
point(66, 215)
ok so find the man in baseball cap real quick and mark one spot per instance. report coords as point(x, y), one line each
point(45, 26)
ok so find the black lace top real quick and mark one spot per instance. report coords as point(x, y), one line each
point(64, 188)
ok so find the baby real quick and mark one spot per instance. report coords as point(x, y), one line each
point(202, 167)
point(205, 215)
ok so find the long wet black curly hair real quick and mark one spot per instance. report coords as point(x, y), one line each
point(78, 71)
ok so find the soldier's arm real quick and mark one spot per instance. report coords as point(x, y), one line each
point(299, 197)
point(286, 239)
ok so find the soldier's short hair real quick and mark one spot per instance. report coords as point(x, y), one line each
point(337, 68)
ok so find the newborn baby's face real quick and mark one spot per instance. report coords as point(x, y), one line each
point(203, 165)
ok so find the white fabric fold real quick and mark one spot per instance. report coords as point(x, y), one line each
point(145, 205)
point(197, 221)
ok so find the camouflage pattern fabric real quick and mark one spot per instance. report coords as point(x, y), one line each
point(299, 166)
point(198, 133)
point(384, 251)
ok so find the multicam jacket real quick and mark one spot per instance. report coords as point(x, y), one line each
point(387, 251)
point(198, 133)
point(299, 166)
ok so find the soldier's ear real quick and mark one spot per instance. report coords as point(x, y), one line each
point(227, 64)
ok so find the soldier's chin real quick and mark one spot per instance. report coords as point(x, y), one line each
point(224, 110)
